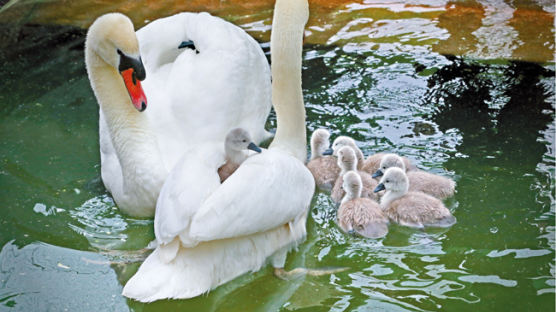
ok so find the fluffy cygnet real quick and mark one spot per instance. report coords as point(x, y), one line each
point(347, 161)
point(413, 209)
point(324, 168)
point(419, 181)
point(360, 215)
point(237, 142)
point(372, 163)
point(342, 141)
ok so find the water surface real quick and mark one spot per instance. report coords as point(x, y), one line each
point(488, 124)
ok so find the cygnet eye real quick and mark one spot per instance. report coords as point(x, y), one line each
point(244, 141)
point(387, 181)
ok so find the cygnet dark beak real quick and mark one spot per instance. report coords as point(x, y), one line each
point(252, 146)
point(377, 174)
point(328, 152)
point(379, 188)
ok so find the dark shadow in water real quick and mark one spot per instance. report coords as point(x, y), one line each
point(23, 58)
point(462, 91)
point(501, 111)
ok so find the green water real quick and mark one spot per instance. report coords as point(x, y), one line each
point(488, 125)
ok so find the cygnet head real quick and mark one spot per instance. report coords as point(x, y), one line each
point(394, 180)
point(342, 141)
point(112, 39)
point(346, 159)
point(352, 184)
point(238, 139)
point(389, 161)
point(320, 141)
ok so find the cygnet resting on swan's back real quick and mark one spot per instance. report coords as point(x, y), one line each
point(209, 233)
point(238, 141)
point(223, 80)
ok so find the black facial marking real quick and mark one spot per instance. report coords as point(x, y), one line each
point(188, 44)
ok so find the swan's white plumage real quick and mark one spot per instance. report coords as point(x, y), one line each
point(226, 85)
point(258, 212)
point(176, 205)
point(228, 80)
point(249, 201)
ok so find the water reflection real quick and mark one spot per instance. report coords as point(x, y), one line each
point(41, 277)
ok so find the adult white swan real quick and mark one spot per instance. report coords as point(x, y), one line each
point(193, 95)
point(210, 233)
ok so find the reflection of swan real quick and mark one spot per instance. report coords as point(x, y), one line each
point(210, 233)
point(224, 82)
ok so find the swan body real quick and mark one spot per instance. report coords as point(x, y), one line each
point(419, 181)
point(226, 84)
point(361, 215)
point(209, 233)
point(324, 168)
point(413, 209)
point(347, 161)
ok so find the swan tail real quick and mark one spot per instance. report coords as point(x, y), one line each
point(157, 280)
point(167, 252)
point(197, 270)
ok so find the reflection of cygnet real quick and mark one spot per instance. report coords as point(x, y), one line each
point(361, 215)
point(419, 181)
point(347, 161)
point(413, 209)
point(324, 168)
point(237, 142)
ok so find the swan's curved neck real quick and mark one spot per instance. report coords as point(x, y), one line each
point(135, 144)
point(286, 44)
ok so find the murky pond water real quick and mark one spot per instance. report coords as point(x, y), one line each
point(487, 124)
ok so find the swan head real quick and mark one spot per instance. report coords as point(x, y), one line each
point(346, 159)
point(395, 180)
point(320, 141)
point(342, 141)
point(112, 38)
point(389, 161)
point(352, 184)
point(238, 139)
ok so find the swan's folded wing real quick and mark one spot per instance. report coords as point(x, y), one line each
point(189, 183)
point(267, 191)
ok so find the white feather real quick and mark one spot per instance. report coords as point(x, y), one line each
point(225, 85)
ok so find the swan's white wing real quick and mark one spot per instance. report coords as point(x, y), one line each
point(191, 181)
point(226, 84)
point(267, 191)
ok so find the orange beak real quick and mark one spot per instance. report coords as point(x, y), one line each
point(133, 86)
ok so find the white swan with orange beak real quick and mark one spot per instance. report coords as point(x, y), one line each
point(210, 233)
point(201, 76)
